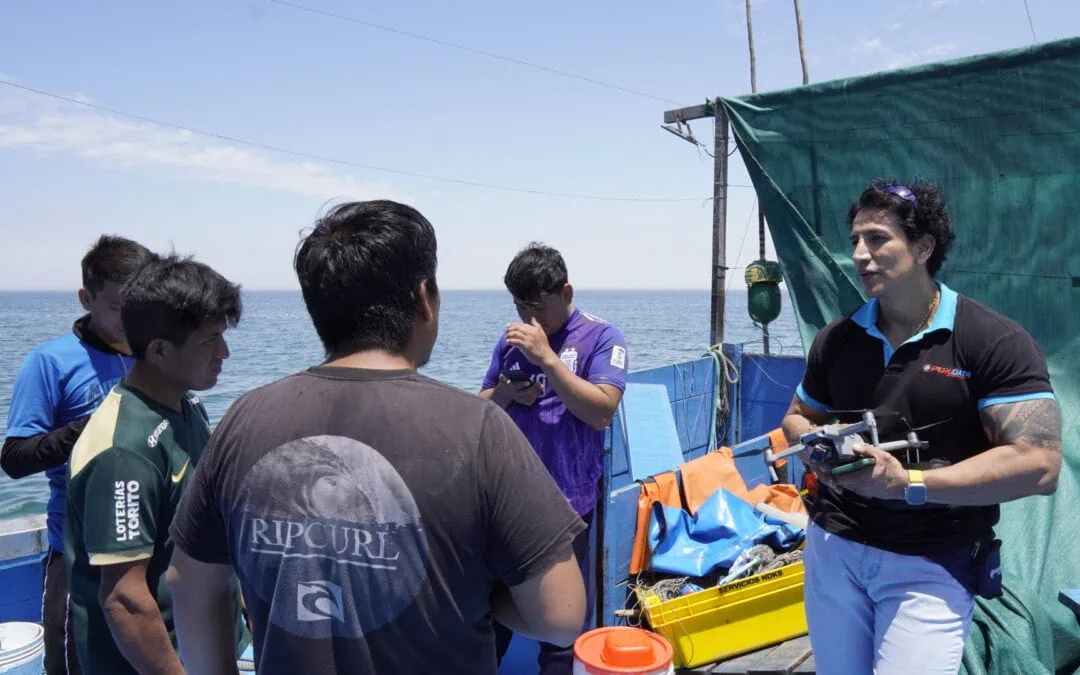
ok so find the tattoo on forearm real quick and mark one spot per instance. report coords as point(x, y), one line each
point(1036, 422)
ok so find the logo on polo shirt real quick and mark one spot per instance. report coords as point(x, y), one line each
point(956, 373)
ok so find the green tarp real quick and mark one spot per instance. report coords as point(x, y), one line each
point(1001, 135)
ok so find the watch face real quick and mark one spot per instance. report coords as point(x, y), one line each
point(915, 494)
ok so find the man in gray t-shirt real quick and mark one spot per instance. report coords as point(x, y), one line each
point(378, 520)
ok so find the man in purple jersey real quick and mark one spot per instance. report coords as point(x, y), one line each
point(560, 375)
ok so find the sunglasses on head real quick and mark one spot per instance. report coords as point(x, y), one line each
point(903, 192)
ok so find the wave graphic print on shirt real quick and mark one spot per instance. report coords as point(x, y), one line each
point(331, 538)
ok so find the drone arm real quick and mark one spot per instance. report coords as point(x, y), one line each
point(788, 452)
point(893, 446)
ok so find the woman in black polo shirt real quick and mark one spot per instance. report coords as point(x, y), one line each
point(896, 552)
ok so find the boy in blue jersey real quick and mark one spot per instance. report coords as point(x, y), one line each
point(57, 388)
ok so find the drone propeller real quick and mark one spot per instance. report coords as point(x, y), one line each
point(894, 413)
point(884, 413)
point(925, 426)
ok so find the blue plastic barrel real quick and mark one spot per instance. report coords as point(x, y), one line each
point(22, 648)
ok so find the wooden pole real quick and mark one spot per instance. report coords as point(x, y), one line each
point(761, 214)
point(719, 253)
point(715, 110)
point(802, 45)
point(750, 42)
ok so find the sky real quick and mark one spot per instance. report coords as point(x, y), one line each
point(375, 105)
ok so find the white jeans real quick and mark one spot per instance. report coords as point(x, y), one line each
point(872, 611)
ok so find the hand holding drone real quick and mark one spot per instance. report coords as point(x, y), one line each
point(833, 445)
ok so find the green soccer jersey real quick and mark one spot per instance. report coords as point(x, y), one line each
point(126, 475)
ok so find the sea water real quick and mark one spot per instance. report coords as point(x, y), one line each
point(275, 338)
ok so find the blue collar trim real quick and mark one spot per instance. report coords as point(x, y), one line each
point(944, 319)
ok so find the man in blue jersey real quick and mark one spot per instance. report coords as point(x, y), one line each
point(57, 388)
point(560, 374)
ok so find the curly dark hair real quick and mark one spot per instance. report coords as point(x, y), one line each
point(928, 216)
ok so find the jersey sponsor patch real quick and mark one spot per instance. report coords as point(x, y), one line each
point(569, 357)
point(618, 356)
point(126, 499)
point(152, 440)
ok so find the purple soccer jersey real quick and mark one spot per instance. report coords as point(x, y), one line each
point(572, 451)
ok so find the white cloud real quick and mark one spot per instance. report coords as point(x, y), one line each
point(42, 125)
point(942, 51)
point(935, 53)
point(892, 58)
point(868, 46)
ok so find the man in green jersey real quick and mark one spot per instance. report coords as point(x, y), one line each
point(132, 463)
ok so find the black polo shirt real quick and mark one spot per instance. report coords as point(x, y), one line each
point(970, 357)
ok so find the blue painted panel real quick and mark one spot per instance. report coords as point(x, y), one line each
point(694, 453)
point(729, 434)
point(650, 430)
point(664, 375)
point(21, 588)
point(620, 456)
point(692, 418)
point(520, 658)
point(594, 567)
point(753, 470)
point(749, 458)
point(620, 515)
point(693, 378)
point(696, 379)
point(766, 385)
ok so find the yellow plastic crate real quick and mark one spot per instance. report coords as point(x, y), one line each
point(725, 621)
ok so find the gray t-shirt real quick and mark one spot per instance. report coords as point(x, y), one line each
point(369, 516)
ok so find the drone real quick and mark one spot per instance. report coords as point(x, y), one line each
point(833, 445)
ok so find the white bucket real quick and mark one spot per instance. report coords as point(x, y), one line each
point(22, 648)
